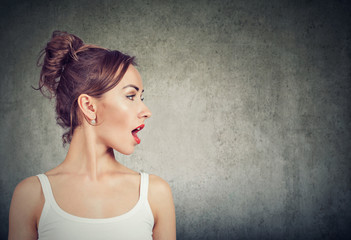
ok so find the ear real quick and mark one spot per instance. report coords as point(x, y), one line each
point(87, 105)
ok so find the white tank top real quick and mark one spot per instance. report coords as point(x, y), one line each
point(56, 224)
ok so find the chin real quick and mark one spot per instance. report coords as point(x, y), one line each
point(126, 151)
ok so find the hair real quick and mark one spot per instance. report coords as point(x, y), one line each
point(71, 68)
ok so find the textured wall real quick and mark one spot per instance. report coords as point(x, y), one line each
point(250, 99)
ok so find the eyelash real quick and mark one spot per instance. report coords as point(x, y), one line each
point(130, 97)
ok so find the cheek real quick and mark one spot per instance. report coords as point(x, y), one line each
point(115, 117)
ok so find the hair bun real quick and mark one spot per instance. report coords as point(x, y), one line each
point(59, 51)
point(73, 42)
point(65, 42)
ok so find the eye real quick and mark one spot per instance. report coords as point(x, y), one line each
point(131, 97)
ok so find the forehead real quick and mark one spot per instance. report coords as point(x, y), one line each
point(131, 76)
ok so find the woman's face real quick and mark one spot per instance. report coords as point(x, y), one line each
point(120, 111)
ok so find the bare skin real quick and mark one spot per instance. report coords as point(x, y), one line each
point(90, 183)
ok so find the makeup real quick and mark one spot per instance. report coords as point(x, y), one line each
point(135, 131)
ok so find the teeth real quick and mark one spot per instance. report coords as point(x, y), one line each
point(138, 129)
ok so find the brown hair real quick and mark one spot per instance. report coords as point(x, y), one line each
point(70, 68)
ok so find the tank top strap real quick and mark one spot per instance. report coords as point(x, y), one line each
point(144, 186)
point(45, 185)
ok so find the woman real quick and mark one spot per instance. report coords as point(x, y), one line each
point(90, 195)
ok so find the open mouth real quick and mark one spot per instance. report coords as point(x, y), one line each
point(135, 131)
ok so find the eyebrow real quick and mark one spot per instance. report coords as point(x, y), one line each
point(133, 86)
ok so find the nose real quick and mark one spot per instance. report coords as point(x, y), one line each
point(145, 112)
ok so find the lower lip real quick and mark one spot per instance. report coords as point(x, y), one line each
point(137, 139)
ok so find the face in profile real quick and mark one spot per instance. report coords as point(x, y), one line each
point(121, 113)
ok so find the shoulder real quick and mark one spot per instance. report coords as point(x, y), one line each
point(158, 186)
point(28, 197)
point(28, 189)
point(162, 206)
point(27, 201)
point(159, 195)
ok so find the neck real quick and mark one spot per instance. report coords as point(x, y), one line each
point(86, 156)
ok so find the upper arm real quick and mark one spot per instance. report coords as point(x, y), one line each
point(161, 202)
point(27, 201)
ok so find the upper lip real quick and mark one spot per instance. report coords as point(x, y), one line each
point(139, 127)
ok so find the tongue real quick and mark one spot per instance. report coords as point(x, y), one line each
point(134, 133)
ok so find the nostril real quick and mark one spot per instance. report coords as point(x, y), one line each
point(145, 115)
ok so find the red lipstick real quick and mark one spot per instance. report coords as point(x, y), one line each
point(135, 131)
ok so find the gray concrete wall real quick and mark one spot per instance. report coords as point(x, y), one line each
point(250, 101)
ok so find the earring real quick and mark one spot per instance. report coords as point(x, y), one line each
point(93, 122)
